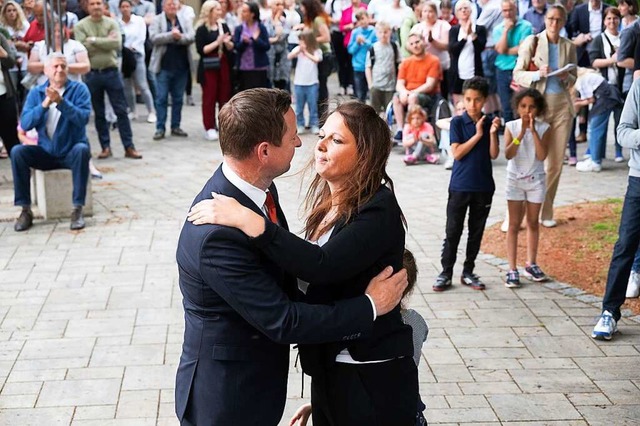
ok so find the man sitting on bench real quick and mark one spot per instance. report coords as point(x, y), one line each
point(59, 110)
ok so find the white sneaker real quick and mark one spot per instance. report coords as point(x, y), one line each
point(588, 166)
point(619, 159)
point(301, 130)
point(132, 116)
point(315, 130)
point(605, 328)
point(151, 118)
point(93, 170)
point(448, 165)
point(505, 226)
point(211, 135)
point(633, 287)
point(549, 223)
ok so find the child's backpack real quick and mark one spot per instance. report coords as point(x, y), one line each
point(372, 55)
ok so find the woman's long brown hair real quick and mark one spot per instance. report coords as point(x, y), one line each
point(373, 145)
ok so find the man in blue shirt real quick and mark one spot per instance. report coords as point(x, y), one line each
point(535, 15)
point(474, 143)
point(59, 110)
point(507, 37)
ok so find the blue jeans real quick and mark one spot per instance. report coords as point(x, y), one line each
point(25, 157)
point(360, 86)
point(109, 81)
point(140, 78)
point(306, 95)
point(624, 251)
point(597, 135)
point(173, 81)
point(503, 80)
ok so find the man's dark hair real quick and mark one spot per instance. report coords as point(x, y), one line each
point(479, 84)
point(251, 117)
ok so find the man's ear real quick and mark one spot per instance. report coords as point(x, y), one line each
point(262, 151)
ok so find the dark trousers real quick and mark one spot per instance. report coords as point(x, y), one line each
point(343, 59)
point(109, 81)
point(624, 250)
point(324, 70)
point(380, 394)
point(252, 79)
point(9, 122)
point(503, 85)
point(25, 157)
point(479, 206)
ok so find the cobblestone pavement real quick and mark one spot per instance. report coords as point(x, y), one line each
point(91, 322)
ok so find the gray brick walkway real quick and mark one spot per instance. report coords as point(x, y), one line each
point(91, 322)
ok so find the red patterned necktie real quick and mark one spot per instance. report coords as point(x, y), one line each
point(270, 204)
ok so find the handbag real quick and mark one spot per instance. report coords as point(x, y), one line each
point(211, 63)
point(532, 66)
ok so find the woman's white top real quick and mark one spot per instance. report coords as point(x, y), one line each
point(612, 71)
point(438, 32)
point(306, 73)
point(71, 49)
point(135, 33)
point(466, 61)
point(19, 34)
point(525, 163)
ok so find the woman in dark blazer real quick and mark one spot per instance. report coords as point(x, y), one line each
point(601, 55)
point(462, 37)
point(354, 229)
point(251, 40)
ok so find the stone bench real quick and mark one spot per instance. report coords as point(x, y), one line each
point(53, 190)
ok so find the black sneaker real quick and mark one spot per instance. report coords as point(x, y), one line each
point(472, 280)
point(443, 282)
point(398, 136)
point(513, 279)
point(159, 134)
point(534, 273)
point(179, 132)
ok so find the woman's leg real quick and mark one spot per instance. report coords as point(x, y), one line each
point(516, 211)
point(533, 232)
point(140, 77)
point(208, 99)
point(559, 119)
point(301, 98)
point(129, 94)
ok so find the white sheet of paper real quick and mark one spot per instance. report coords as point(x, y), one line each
point(567, 67)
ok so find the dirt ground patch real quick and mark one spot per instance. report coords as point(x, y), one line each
point(577, 251)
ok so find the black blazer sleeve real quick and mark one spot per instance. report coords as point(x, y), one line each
point(358, 245)
point(236, 273)
point(455, 45)
point(202, 39)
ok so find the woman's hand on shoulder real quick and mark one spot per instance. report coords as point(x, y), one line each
point(302, 414)
point(227, 211)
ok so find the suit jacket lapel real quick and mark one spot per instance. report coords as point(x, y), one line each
point(282, 220)
point(223, 186)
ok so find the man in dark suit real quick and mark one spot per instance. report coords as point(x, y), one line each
point(240, 314)
point(586, 22)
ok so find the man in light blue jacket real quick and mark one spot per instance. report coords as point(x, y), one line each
point(629, 232)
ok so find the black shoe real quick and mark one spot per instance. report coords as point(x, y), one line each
point(443, 282)
point(24, 221)
point(77, 219)
point(179, 132)
point(472, 280)
point(159, 134)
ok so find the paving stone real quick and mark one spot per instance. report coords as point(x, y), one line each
point(138, 404)
point(36, 417)
point(550, 381)
point(455, 415)
point(95, 412)
point(467, 401)
point(57, 348)
point(490, 338)
point(620, 392)
point(624, 415)
point(108, 356)
point(489, 388)
point(533, 407)
point(561, 346)
point(149, 377)
point(79, 392)
point(618, 368)
point(578, 399)
point(17, 401)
